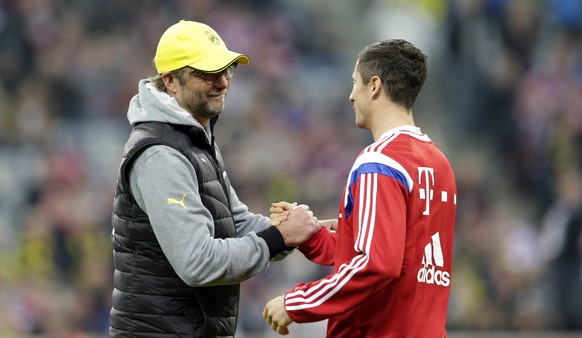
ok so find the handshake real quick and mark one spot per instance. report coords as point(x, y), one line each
point(295, 222)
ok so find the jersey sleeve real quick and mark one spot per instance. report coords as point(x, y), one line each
point(320, 248)
point(378, 216)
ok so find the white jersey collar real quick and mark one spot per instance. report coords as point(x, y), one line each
point(406, 129)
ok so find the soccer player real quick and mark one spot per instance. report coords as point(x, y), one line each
point(393, 246)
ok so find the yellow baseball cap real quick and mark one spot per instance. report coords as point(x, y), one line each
point(194, 44)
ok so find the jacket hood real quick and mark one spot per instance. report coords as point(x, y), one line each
point(151, 105)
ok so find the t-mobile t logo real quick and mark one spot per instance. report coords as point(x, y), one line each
point(425, 182)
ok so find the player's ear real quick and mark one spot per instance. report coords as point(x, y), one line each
point(375, 86)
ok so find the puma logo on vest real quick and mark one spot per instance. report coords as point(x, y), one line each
point(175, 201)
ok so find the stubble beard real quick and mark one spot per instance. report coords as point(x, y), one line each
point(201, 107)
point(206, 110)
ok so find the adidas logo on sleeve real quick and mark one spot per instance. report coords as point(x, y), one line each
point(432, 260)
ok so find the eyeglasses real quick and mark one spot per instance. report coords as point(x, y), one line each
point(213, 77)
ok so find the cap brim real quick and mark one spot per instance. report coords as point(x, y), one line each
point(219, 61)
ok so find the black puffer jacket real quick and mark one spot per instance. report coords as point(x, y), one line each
point(149, 299)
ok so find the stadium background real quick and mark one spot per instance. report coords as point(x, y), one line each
point(503, 100)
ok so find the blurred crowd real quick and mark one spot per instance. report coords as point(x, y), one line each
point(503, 100)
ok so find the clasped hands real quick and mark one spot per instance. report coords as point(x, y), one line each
point(295, 222)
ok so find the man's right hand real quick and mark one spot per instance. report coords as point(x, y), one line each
point(299, 225)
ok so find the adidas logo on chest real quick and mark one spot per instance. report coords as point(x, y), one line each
point(432, 263)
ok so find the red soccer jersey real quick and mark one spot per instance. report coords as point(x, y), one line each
point(393, 248)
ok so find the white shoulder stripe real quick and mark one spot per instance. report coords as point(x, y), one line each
point(375, 157)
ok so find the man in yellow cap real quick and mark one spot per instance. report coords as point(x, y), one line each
point(182, 239)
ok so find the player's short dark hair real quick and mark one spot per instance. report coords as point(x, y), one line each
point(400, 65)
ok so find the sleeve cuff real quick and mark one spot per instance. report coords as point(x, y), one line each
point(274, 240)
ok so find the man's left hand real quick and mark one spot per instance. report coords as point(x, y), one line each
point(276, 315)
